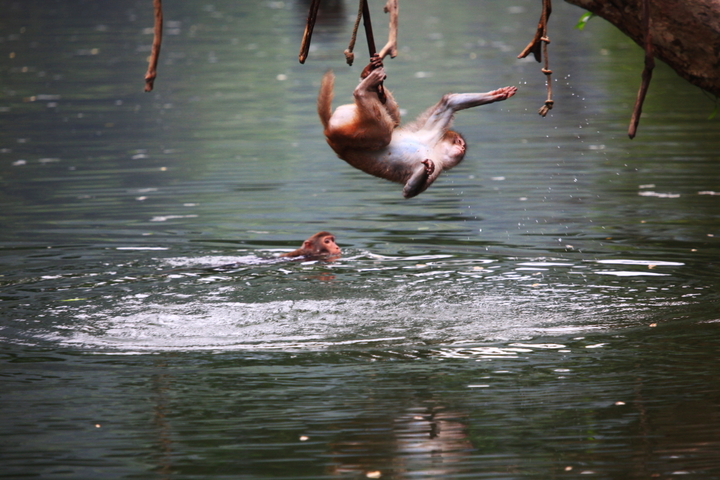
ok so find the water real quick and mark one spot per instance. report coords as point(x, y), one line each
point(547, 309)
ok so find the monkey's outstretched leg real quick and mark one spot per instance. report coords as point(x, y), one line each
point(373, 124)
point(440, 116)
point(417, 183)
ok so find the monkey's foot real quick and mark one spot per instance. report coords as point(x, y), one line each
point(429, 166)
point(503, 93)
point(376, 61)
point(375, 64)
point(420, 179)
point(376, 77)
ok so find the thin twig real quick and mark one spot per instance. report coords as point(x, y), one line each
point(390, 47)
point(157, 41)
point(349, 55)
point(309, 26)
point(646, 73)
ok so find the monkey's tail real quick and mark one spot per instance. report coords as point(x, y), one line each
point(324, 102)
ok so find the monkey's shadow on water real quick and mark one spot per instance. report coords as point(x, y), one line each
point(360, 301)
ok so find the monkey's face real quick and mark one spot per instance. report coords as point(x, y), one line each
point(452, 149)
point(328, 246)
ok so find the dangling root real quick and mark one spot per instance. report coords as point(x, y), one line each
point(646, 73)
point(538, 47)
point(157, 41)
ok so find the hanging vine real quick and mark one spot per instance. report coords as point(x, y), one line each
point(538, 47)
point(390, 48)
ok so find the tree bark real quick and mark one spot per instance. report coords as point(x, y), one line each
point(685, 33)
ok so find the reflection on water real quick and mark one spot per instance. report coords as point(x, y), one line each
point(549, 309)
point(596, 404)
point(274, 304)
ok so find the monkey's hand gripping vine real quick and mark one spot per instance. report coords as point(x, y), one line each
point(366, 135)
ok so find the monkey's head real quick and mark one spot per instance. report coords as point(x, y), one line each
point(320, 245)
point(452, 148)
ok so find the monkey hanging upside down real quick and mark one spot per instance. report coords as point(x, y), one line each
point(364, 134)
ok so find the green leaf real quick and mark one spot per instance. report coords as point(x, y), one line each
point(583, 20)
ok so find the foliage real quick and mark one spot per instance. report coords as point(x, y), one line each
point(583, 20)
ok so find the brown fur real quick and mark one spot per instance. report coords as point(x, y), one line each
point(322, 244)
point(365, 133)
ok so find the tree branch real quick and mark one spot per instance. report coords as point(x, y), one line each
point(349, 55)
point(687, 34)
point(538, 47)
point(155, 53)
point(646, 73)
point(309, 26)
point(390, 47)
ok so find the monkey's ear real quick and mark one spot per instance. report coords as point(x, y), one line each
point(307, 245)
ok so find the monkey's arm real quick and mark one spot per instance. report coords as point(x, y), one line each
point(392, 108)
point(365, 93)
point(375, 122)
point(366, 96)
point(439, 117)
point(418, 181)
point(390, 104)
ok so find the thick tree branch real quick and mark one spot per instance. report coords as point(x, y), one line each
point(686, 34)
